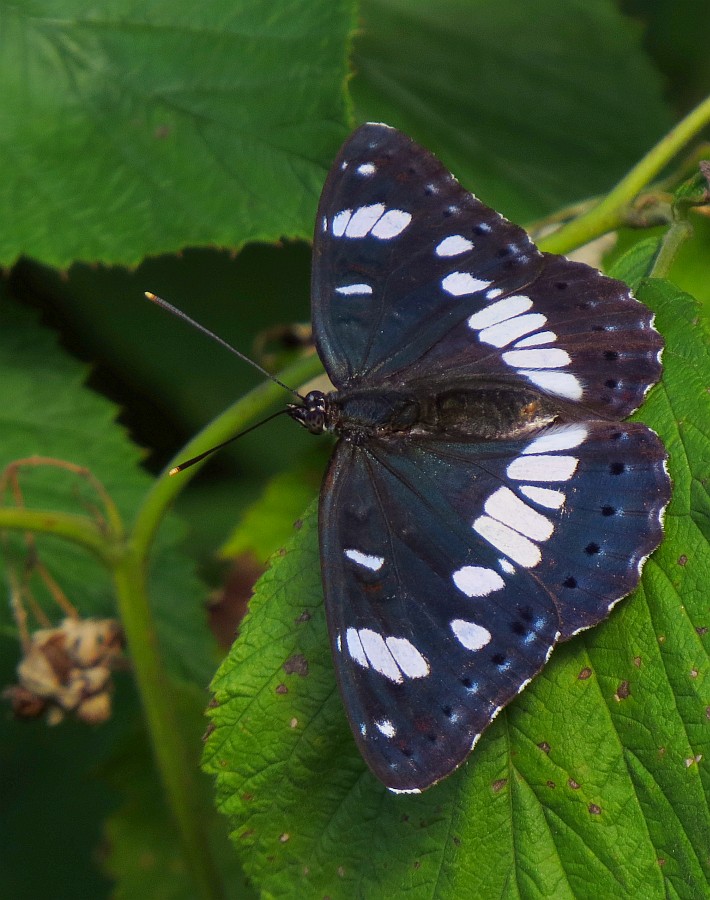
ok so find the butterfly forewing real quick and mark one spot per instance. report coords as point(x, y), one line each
point(483, 501)
point(413, 277)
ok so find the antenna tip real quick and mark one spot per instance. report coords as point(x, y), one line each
point(175, 470)
point(150, 295)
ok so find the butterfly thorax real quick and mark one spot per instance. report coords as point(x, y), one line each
point(468, 409)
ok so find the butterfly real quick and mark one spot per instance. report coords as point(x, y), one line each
point(484, 500)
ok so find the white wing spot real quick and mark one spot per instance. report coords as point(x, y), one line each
point(504, 333)
point(504, 506)
point(454, 245)
point(508, 541)
point(366, 169)
point(566, 438)
point(493, 293)
point(543, 496)
point(477, 581)
point(379, 655)
point(340, 222)
point(407, 657)
point(367, 560)
point(391, 224)
point(384, 726)
point(349, 290)
point(458, 284)
point(500, 311)
point(506, 567)
point(363, 219)
point(561, 383)
point(355, 648)
point(470, 635)
point(542, 468)
point(550, 358)
point(535, 340)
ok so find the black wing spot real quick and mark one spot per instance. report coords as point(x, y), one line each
point(592, 548)
point(467, 683)
point(527, 614)
point(447, 711)
point(561, 285)
point(504, 251)
point(608, 510)
point(406, 751)
point(611, 383)
point(432, 738)
point(611, 354)
point(481, 229)
point(498, 659)
point(570, 582)
point(617, 468)
point(518, 628)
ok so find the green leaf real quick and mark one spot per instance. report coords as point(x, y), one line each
point(268, 523)
point(592, 783)
point(145, 128)
point(522, 100)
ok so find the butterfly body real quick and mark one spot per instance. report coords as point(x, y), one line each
point(483, 501)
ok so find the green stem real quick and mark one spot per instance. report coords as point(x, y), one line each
point(166, 737)
point(608, 214)
point(675, 236)
point(165, 731)
point(79, 529)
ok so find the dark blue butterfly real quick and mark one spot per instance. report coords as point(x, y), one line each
point(483, 501)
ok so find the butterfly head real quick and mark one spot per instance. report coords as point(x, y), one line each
point(312, 413)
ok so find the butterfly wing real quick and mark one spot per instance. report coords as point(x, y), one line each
point(414, 278)
point(451, 570)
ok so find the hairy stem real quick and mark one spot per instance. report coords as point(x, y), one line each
point(608, 214)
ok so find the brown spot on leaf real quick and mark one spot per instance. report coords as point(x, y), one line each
point(284, 837)
point(208, 731)
point(637, 662)
point(702, 629)
point(296, 665)
point(594, 809)
point(304, 617)
point(682, 560)
point(585, 674)
point(293, 723)
point(661, 861)
point(417, 864)
point(247, 796)
point(693, 672)
point(623, 691)
point(573, 784)
point(298, 524)
point(551, 785)
point(341, 871)
point(246, 834)
point(499, 784)
point(281, 689)
point(544, 746)
point(213, 704)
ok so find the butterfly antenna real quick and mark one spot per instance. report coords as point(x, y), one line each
point(215, 337)
point(195, 459)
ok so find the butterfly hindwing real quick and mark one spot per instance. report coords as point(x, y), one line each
point(451, 569)
point(415, 277)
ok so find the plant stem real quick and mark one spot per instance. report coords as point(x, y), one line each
point(79, 529)
point(165, 734)
point(177, 775)
point(607, 215)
